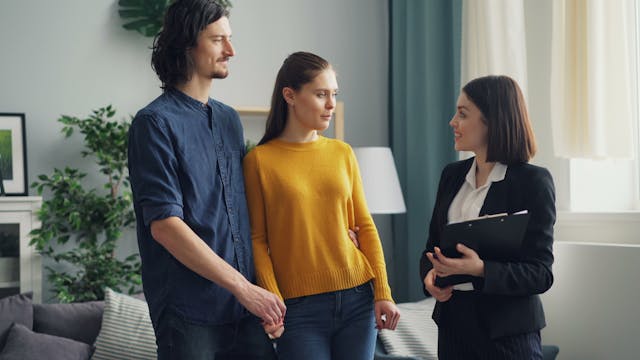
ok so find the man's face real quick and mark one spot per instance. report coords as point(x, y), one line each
point(213, 50)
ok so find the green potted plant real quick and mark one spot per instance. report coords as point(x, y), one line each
point(92, 218)
point(146, 16)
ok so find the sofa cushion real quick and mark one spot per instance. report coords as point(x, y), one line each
point(77, 321)
point(24, 344)
point(126, 331)
point(416, 334)
point(15, 308)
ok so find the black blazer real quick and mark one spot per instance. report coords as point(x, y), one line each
point(508, 300)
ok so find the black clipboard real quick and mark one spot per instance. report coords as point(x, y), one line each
point(497, 238)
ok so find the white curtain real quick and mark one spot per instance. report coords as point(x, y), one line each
point(493, 42)
point(593, 78)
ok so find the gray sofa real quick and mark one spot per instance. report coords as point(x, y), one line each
point(117, 328)
point(47, 331)
point(69, 331)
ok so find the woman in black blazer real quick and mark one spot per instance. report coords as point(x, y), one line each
point(498, 315)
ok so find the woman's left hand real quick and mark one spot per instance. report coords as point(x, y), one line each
point(387, 315)
point(273, 331)
point(469, 264)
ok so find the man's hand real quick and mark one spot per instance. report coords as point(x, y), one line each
point(262, 303)
point(353, 235)
point(440, 294)
point(387, 315)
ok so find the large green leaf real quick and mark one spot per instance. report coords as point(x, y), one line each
point(146, 16)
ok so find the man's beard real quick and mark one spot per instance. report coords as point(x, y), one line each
point(220, 74)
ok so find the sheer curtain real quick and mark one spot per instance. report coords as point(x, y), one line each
point(592, 78)
point(493, 42)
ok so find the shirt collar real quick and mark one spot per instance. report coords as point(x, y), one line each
point(497, 174)
point(189, 100)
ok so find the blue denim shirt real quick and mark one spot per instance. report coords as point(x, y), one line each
point(185, 160)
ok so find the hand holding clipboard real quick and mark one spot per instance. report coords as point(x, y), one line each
point(494, 237)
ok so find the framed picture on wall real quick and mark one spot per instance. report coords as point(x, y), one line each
point(13, 154)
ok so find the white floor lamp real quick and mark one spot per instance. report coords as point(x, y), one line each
point(383, 194)
point(380, 180)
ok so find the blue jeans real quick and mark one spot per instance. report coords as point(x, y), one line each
point(331, 326)
point(178, 339)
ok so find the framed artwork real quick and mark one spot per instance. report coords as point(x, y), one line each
point(13, 154)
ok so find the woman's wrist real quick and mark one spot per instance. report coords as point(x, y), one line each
point(479, 271)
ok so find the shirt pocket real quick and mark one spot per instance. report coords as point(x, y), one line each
point(236, 175)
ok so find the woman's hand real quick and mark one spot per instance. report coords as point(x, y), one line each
point(273, 331)
point(440, 294)
point(387, 315)
point(469, 264)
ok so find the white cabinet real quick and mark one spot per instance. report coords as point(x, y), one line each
point(20, 264)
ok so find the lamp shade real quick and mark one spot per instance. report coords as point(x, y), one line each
point(380, 180)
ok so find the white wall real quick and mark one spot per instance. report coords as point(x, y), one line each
point(72, 56)
point(592, 308)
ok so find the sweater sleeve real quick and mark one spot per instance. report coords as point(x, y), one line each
point(368, 237)
point(265, 274)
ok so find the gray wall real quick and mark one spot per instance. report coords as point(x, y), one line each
point(72, 56)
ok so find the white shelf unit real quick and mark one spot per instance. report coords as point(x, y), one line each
point(21, 211)
point(254, 130)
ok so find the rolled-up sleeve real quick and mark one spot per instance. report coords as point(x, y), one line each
point(153, 170)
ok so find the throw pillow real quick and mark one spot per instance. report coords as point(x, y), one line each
point(416, 334)
point(24, 344)
point(15, 308)
point(56, 319)
point(126, 331)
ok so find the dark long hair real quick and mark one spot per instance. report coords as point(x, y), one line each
point(510, 136)
point(184, 20)
point(298, 69)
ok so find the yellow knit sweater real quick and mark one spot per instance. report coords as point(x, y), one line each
point(303, 198)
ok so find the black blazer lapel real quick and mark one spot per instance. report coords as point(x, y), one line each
point(458, 177)
point(497, 198)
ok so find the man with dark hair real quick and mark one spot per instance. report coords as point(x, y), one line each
point(185, 164)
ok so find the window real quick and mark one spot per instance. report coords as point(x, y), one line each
point(611, 185)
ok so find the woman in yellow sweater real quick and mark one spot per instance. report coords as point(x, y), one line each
point(304, 193)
